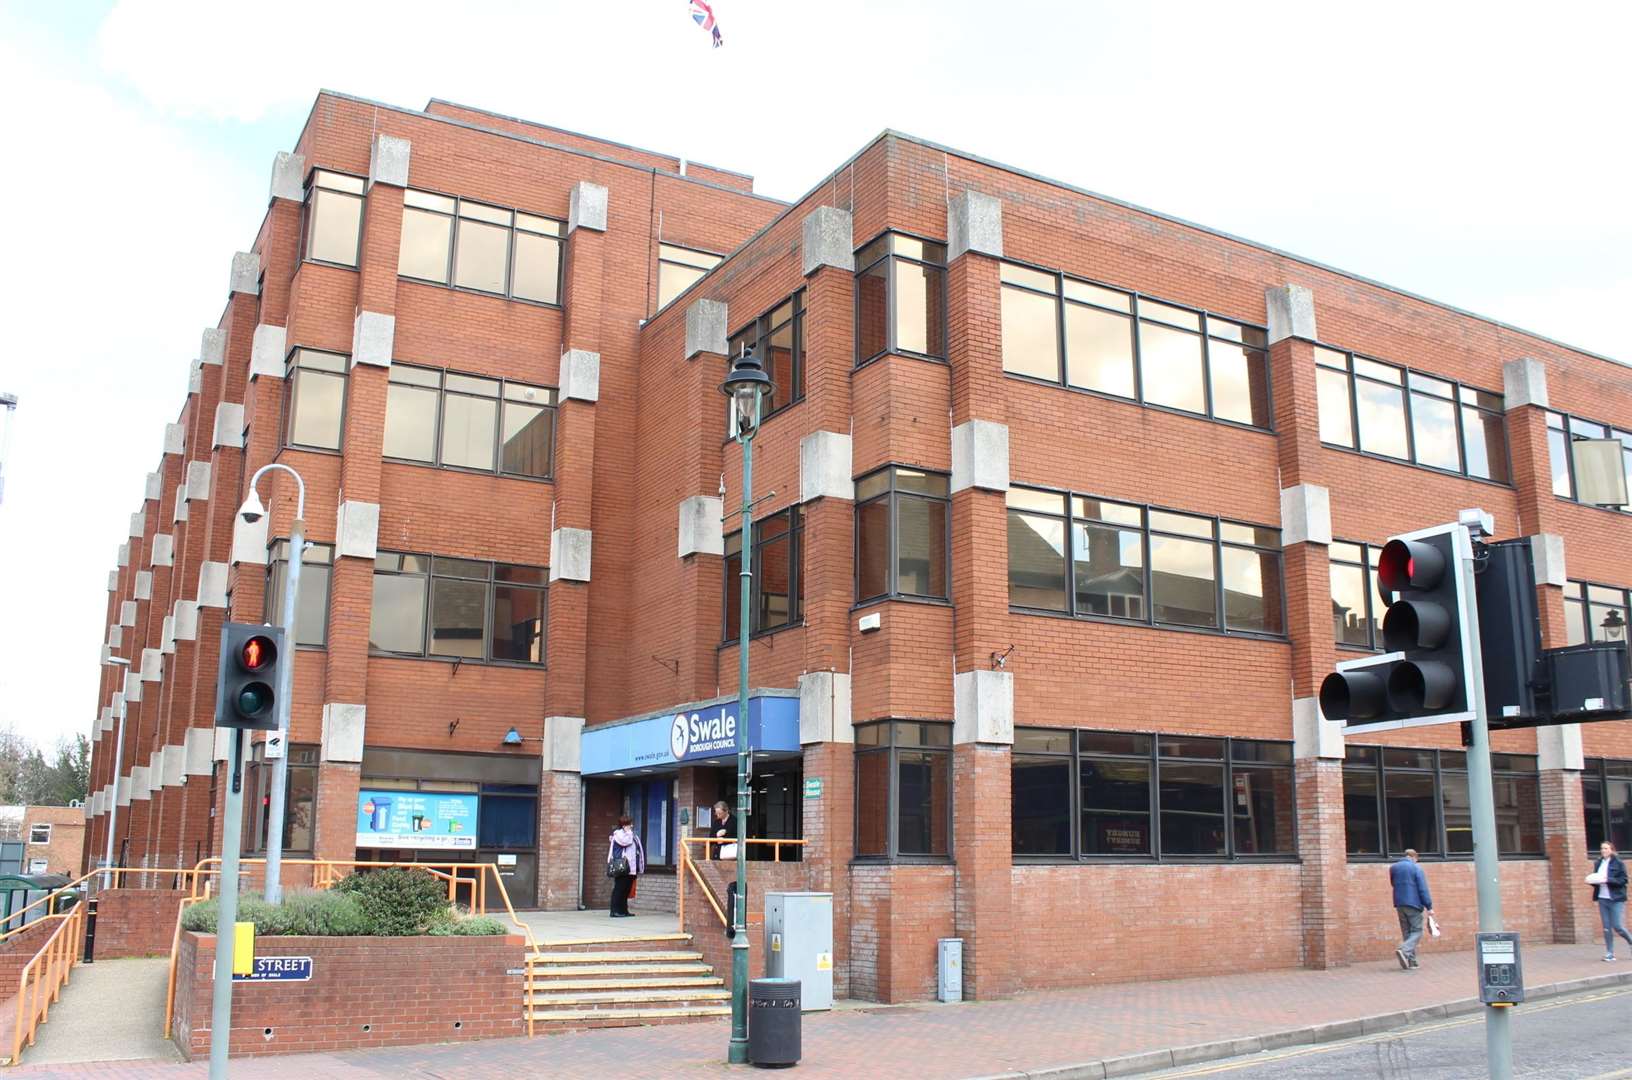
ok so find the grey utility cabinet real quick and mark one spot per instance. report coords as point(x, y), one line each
point(799, 944)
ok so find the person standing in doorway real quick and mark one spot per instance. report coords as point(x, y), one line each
point(1608, 883)
point(625, 861)
point(722, 826)
point(1412, 901)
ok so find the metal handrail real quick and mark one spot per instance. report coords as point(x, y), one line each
point(175, 951)
point(687, 863)
point(116, 872)
point(39, 987)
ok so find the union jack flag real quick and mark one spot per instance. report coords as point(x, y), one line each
point(703, 15)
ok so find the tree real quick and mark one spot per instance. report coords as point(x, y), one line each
point(28, 778)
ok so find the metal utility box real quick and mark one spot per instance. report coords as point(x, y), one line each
point(949, 969)
point(799, 944)
point(1588, 679)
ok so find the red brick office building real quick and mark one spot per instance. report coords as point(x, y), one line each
point(1066, 508)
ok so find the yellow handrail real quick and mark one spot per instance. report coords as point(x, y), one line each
point(175, 948)
point(40, 986)
point(687, 863)
point(115, 873)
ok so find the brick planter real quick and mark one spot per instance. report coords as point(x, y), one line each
point(364, 992)
point(136, 922)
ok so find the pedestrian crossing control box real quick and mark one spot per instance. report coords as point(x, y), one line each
point(1501, 976)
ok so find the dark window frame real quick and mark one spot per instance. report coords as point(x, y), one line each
point(1380, 769)
point(502, 398)
point(309, 202)
point(888, 256)
point(302, 756)
point(1465, 399)
point(890, 749)
point(1369, 554)
point(1153, 759)
point(1145, 531)
point(1580, 595)
point(291, 376)
point(277, 555)
point(760, 329)
point(1599, 773)
point(1205, 319)
point(732, 585)
point(1566, 422)
point(891, 496)
point(492, 583)
point(662, 262)
point(508, 293)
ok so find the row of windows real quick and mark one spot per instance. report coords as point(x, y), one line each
point(1087, 336)
point(465, 609)
point(472, 245)
point(1606, 792)
point(776, 599)
point(1082, 794)
point(1394, 412)
point(432, 417)
point(1574, 476)
point(1396, 798)
point(1085, 556)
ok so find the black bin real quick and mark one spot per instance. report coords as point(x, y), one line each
point(773, 1022)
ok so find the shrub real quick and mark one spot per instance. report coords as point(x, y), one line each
point(467, 926)
point(307, 913)
point(397, 901)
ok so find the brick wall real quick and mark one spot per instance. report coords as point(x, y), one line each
point(136, 922)
point(364, 992)
point(65, 852)
point(709, 937)
point(1527, 906)
point(18, 949)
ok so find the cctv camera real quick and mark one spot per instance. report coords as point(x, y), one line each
point(252, 510)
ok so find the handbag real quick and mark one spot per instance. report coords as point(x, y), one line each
point(728, 851)
point(1433, 926)
point(617, 867)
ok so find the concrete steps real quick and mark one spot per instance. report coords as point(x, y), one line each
point(595, 982)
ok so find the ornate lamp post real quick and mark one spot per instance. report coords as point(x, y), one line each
point(746, 385)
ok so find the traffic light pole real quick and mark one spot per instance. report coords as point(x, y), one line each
point(227, 918)
point(285, 690)
point(1482, 808)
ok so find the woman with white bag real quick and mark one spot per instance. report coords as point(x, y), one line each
point(1608, 883)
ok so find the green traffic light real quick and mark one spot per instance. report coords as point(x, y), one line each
point(253, 699)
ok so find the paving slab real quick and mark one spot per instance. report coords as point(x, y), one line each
point(112, 1010)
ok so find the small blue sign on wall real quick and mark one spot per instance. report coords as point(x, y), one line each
point(279, 969)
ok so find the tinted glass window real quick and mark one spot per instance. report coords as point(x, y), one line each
point(1030, 334)
point(518, 623)
point(1115, 807)
point(1382, 419)
point(1360, 790)
point(1109, 571)
point(316, 402)
point(924, 789)
point(1263, 810)
point(872, 802)
point(872, 312)
point(921, 546)
point(1484, 438)
point(410, 421)
point(1433, 422)
point(1252, 590)
point(873, 549)
point(537, 271)
point(1240, 383)
point(1336, 423)
point(920, 316)
point(1410, 806)
point(481, 253)
point(1192, 800)
point(1042, 805)
point(397, 622)
point(425, 240)
point(334, 225)
point(1037, 571)
point(1170, 362)
point(458, 616)
point(529, 439)
point(1099, 350)
point(467, 431)
point(1181, 581)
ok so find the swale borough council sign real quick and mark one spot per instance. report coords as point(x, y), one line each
point(696, 735)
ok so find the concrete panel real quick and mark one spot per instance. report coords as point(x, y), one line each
point(186, 616)
point(824, 467)
point(983, 707)
point(1559, 747)
point(249, 541)
point(288, 177)
point(373, 337)
point(144, 584)
point(357, 529)
point(1306, 515)
point(175, 439)
point(212, 347)
point(229, 425)
point(586, 207)
point(1314, 736)
point(701, 530)
point(824, 708)
point(828, 240)
point(580, 375)
point(1291, 311)
point(570, 554)
point(164, 549)
point(974, 222)
point(246, 273)
point(388, 158)
point(1524, 382)
point(980, 456)
point(705, 328)
point(343, 726)
point(153, 487)
point(198, 481)
point(1547, 557)
point(563, 738)
point(198, 751)
point(268, 350)
point(212, 585)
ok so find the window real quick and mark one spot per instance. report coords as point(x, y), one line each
point(315, 397)
point(462, 608)
point(679, 268)
point(39, 834)
point(1606, 791)
point(470, 422)
point(298, 802)
point(900, 298)
point(1085, 556)
point(777, 596)
point(480, 247)
point(1396, 798)
point(902, 540)
point(1358, 603)
point(778, 339)
point(1150, 796)
point(1394, 412)
point(1089, 337)
point(38, 866)
point(334, 217)
point(903, 789)
point(1563, 433)
point(1598, 613)
point(311, 599)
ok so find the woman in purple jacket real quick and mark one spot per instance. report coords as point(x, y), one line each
point(624, 853)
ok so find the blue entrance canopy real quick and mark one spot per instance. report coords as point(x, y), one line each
point(690, 733)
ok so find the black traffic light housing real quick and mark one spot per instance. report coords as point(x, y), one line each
point(1425, 677)
point(246, 693)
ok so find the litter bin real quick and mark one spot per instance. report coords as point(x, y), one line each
point(773, 1022)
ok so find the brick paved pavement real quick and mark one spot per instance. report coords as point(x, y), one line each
point(935, 1041)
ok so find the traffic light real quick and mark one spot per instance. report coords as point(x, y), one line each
point(245, 694)
point(1425, 676)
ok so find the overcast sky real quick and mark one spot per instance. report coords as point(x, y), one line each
point(1473, 153)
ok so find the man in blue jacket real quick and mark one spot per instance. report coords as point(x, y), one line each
point(1411, 900)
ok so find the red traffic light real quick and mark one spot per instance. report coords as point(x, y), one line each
point(257, 654)
point(1409, 564)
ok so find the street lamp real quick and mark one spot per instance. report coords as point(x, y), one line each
point(118, 763)
point(252, 511)
point(1614, 626)
point(746, 385)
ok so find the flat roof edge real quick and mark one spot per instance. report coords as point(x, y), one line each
point(1315, 263)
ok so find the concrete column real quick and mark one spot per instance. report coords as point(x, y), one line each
point(560, 816)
